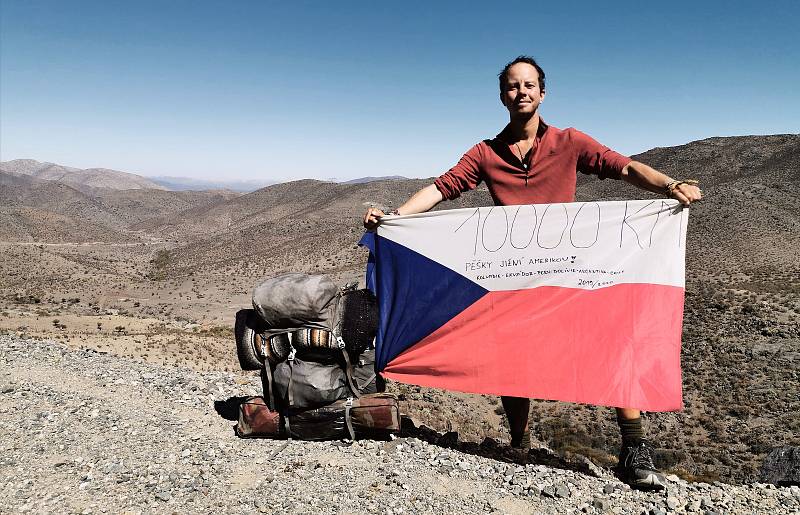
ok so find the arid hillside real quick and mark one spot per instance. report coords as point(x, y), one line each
point(47, 211)
point(158, 276)
point(78, 178)
point(750, 218)
point(33, 209)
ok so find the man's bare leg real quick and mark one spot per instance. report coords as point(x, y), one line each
point(517, 410)
point(628, 413)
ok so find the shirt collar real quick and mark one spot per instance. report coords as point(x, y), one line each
point(539, 133)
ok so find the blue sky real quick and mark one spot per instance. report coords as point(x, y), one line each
point(266, 90)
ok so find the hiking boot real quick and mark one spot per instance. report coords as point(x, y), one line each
point(522, 442)
point(637, 469)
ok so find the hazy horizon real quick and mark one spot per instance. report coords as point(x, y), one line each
point(269, 180)
point(274, 92)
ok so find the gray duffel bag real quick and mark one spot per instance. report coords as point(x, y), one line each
point(301, 384)
point(315, 379)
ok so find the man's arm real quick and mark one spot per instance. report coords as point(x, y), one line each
point(650, 179)
point(464, 176)
point(421, 201)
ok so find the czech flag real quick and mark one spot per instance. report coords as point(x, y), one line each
point(578, 302)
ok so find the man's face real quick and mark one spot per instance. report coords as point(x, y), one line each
point(521, 94)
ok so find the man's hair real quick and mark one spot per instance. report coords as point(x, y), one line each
point(503, 76)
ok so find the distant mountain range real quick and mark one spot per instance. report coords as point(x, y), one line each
point(79, 178)
point(114, 179)
point(363, 180)
point(189, 184)
point(52, 211)
point(747, 178)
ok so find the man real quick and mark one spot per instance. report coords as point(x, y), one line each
point(530, 162)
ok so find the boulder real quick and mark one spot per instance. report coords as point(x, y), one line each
point(782, 467)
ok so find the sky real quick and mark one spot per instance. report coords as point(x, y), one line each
point(267, 90)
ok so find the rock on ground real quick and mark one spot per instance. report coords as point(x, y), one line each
point(782, 466)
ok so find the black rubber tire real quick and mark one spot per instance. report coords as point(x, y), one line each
point(246, 331)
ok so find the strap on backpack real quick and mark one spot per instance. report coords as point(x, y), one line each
point(335, 332)
point(348, 369)
point(290, 362)
point(347, 419)
point(289, 390)
point(368, 380)
point(266, 374)
point(287, 426)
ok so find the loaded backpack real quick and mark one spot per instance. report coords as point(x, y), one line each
point(313, 343)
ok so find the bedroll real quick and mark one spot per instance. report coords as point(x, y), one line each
point(371, 416)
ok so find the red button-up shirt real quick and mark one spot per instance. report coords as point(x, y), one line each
point(547, 176)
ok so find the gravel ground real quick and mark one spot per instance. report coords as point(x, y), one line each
point(85, 432)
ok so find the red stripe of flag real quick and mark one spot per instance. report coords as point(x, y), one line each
point(615, 346)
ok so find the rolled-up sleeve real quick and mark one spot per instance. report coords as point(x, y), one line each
point(464, 176)
point(597, 159)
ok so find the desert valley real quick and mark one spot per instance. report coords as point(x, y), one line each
point(115, 263)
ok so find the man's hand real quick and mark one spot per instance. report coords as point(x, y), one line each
point(372, 218)
point(686, 193)
point(421, 201)
point(650, 179)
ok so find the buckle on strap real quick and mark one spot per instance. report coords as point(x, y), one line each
point(263, 346)
point(292, 354)
point(340, 342)
point(348, 404)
